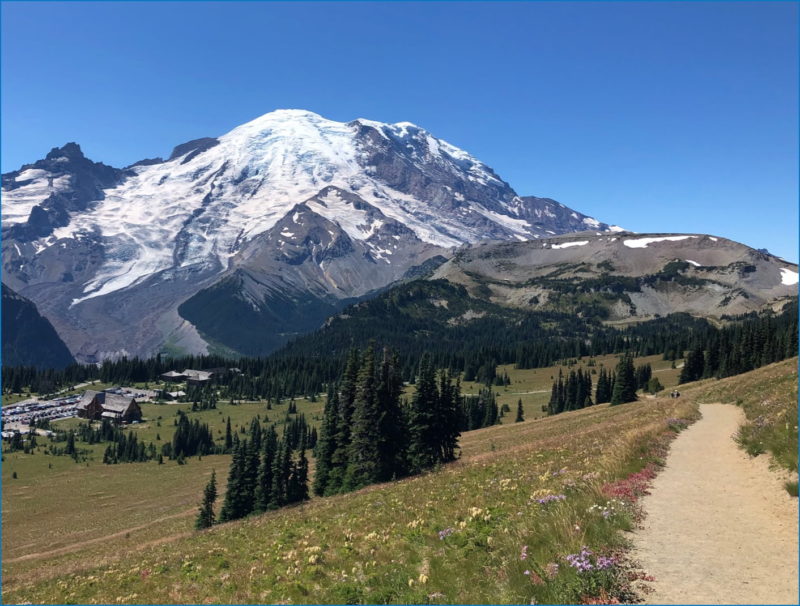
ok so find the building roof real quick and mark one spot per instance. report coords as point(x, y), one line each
point(172, 373)
point(198, 375)
point(87, 398)
point(118, 404)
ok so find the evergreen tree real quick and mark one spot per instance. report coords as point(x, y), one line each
point(603, 391)
point(347, 396)
point(263, 491)
point(228, 436)
point(232, 505)
point(422, 443)
point(326, 445)
point(520, 412)
point(363, 463)
point(446, 418)
point(625, 383)
point(392, 430)
point(694, 366)
point(205, 517)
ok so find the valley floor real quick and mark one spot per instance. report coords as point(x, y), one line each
point(720, 527)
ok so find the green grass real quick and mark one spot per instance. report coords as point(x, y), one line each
point(46, 519)
point(377, 545)
point(533, 385)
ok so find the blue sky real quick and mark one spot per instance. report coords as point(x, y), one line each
point(658, 116)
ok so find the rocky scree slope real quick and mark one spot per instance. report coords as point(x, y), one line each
point(625, 276)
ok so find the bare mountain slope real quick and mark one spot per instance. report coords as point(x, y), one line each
point(625, 276)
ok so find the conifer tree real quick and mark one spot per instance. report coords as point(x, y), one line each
point(263, 492)
point(326, 445)
point(520, 412)
point(231, 506)
point(446, 418)
point(205, 517)
point(625, 383)
point(392, 430)
point(347, 396)
point(363, 461)
point(421, 449)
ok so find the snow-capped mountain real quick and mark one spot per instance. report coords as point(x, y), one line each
point(286, 212)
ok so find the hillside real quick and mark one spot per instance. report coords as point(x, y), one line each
point(28, 338)
point(380, 544)
point(625, 276)
point(402, 542)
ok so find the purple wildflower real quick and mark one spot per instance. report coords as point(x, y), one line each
point(524, 553)
point(550, 498)
point(445, 533)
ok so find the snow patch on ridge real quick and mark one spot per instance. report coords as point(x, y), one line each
point(643, 242)
point(569, 244)
point(788, 276)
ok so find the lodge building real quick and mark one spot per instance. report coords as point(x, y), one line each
point(96, 405)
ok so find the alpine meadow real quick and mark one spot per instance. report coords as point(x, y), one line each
point(310, 358)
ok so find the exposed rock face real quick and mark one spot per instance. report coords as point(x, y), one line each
point(624, 276)
point(288, 212)
point(28, 338)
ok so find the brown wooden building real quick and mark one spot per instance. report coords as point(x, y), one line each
point(101, 405)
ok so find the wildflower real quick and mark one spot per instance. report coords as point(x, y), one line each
point(423, 578)
point(524, 553)
point(551, 569)
point(550, 498)
point(527, 572)
point(445, 533)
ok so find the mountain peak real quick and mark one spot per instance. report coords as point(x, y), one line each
point(70, 150)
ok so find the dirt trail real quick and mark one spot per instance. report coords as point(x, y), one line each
point(720, 528)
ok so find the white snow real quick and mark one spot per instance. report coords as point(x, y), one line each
point(712, 238)
point(695, 263)
point(18, 203)
point(590, 221)
point(243, 186)
point(643, 242)
point(616, 228)
point(788, 276)
point(569, 244)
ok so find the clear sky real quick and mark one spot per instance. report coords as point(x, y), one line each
point(658, 116)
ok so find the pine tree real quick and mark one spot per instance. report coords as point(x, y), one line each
point(625, 384)
point(693, 366)
point(228, 436)
point(263, 491)
point(363, 461)
point(326, 445)
point(446, 418)
point(603, 392)
point(520, 412)
point(347, 396)
point(205, 517)
point(421, 449)
point(392, 430)
point(231, 506)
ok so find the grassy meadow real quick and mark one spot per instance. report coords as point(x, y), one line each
point(94, 521)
